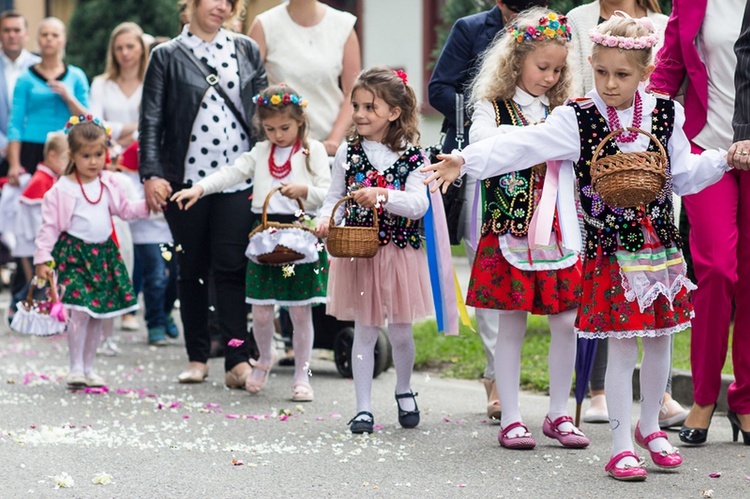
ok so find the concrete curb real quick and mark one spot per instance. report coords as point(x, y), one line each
point(682, 388)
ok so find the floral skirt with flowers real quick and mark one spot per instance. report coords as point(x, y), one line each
point(287, 285)
point(95, 278)
point(498, 285)
point(606, 313)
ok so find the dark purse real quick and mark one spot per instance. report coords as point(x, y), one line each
point(453, 198)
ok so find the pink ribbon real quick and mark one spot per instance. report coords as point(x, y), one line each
point(540, 227)
point(58, 310)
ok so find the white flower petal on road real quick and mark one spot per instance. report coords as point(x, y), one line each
point(63, 481)
point(102, 479)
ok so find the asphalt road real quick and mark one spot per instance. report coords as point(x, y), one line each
point(157, 438)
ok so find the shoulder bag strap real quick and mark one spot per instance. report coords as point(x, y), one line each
point(212, 78)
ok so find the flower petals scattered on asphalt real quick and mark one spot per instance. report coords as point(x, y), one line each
point(63, 481)
point(715, 474)
point(102, 479)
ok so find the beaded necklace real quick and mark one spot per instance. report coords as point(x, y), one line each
point(101, 192)
point(614, 121)
point(281, 171)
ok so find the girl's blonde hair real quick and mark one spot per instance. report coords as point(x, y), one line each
point(113, 69)
point(627, 27)
point(265, 108)
point(238, 9)
point(649, 5)
point(501, 63)
point(82, 134)
point(391, 86)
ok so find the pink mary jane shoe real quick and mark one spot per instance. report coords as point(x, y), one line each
point(628, 473)
point(663, 459)
point(524, 441)
point(574, 439)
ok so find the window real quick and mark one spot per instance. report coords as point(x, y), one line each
point(6, 5)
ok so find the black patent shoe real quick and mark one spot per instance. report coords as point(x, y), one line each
point(737, 428)
point(362, 425)
point(408, 419)
point(696, 436)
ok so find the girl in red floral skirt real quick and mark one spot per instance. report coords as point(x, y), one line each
point(634, 282)
point(510, 274)
point(76, 238)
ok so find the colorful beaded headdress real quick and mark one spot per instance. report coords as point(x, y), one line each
point(627, 42)
point(87, 118)
point(549, 27)
point(279, 99)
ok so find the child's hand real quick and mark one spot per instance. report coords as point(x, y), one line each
point(294, 190)
point(322, 228)
point(444, 172)
point(43, 272)
point(370, 197)
point(187, 197)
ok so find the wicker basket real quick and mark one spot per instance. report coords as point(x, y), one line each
point(41, 317)
point(631, 179)
point(280, 255)
point(352, 242)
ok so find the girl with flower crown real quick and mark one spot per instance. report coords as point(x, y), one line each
point(76, 240)
point(289, 161)
point(634, 282)
point(523, 75)
point(379, 167)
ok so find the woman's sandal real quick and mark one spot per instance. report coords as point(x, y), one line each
point(359, 426)
point(408, 419)
point(302, 392)
point(255, 386)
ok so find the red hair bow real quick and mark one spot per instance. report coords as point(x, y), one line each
point(401, 74)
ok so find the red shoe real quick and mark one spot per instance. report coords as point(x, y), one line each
point(628, 473)
point(574, 439)
point(525, 441)
point(663, 459)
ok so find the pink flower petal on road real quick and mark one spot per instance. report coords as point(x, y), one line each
point(378, 427)
point(334, 415)
point(233, 416)
point(716, 474)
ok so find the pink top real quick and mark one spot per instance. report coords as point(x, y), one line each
point(58, 207)
point(679, 58)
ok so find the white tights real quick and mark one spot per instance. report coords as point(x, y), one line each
point(84, 333)
point(363, 362)
point(302, 341)
point(561, 358)
point(623, 355)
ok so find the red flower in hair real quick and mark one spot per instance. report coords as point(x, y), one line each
point(402, 75)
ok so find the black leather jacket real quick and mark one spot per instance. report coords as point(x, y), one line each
point(173, 90)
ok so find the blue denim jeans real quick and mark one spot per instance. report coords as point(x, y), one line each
point(158, 279)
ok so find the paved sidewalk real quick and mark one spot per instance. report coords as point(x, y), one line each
point(157, 438)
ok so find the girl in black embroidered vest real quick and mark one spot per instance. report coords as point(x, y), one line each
point(517, 84)
point(379, 166)
point(634, 282)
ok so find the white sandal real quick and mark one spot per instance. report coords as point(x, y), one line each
point(302, 392)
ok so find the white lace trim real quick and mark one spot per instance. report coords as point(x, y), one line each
point(288, 303)
point(548, 257)
point(646, 298)
point(637, 333)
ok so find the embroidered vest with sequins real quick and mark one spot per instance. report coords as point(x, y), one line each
point(361, 173)
point(604, 223)
point(509, 198)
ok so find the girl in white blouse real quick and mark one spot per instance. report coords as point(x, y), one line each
point(634, 282)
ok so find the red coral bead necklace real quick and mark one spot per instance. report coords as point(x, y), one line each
point(281, 171)
point(83, 191)
point(614, 121)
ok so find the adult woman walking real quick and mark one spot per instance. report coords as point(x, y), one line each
point(197, 101)
point(698, 48)
point(46, 95)
point(312, 47)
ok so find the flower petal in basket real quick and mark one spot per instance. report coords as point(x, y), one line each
point(298, 240)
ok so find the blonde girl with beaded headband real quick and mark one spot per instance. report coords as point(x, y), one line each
point(379, 168)
point(522, 77)
point(287, 160)
point(634, 282)
point(75, 240)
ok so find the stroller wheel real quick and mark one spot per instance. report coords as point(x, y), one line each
point(342, 352)
point(383, 354)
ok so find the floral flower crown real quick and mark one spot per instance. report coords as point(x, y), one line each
point(550, 26)
point(278, 99)
point(627, 42)
point(87, 118)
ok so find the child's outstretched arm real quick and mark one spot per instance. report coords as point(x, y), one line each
point(444, 172)
point(242, 169)
point(187, 197)
point(51, 228)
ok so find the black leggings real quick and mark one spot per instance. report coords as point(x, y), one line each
point(213, 234)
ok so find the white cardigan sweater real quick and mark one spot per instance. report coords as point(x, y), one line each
point(581, 20)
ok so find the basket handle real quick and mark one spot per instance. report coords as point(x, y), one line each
point(613, 133)
point(268, 199)
point(32, 285)
point(331, 222)
point(52, 287)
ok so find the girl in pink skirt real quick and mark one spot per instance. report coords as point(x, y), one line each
point(379, 167)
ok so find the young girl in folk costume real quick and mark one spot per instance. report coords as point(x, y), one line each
point(634, 282)
point(523, 76)
point(286, 160)
point(76, 240)
point(379, 166)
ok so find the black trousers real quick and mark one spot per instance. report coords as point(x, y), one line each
point(213, 234)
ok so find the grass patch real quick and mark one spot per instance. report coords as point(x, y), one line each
point(462, 356)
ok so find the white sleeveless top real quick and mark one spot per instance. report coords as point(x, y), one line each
point(310, 60)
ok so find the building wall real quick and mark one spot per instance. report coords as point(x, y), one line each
point(35, 10)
